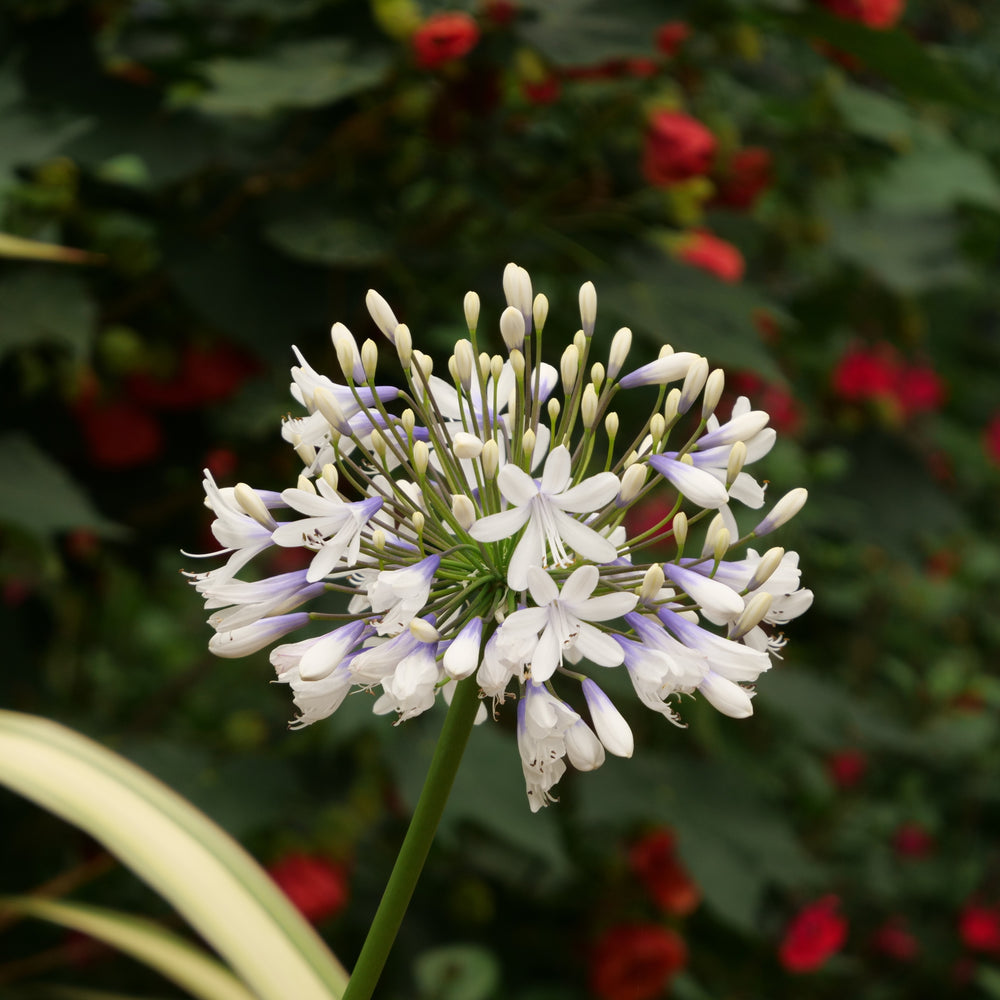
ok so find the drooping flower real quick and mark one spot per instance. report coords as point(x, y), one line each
point(476, 530)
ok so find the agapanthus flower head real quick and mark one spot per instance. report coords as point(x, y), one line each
point(472, 526)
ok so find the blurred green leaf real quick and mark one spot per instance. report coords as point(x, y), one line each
point(322, 238)
point(873, 115)
point(39, 496)
point(457, 972)
point(300, 74)
point(45, 305)
point(934, 179)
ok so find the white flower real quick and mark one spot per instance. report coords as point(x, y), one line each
point(563, 619)
point(669, 368)
point(698, 485)
point(401, 593)
point(461, 658)
point(245, 603)
point(542, 722)
point(544, 508)
point(250, 638)
point(612, 729)
point(410, 688)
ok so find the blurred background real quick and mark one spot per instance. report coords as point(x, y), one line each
point(806, 192)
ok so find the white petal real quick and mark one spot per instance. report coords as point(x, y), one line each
point(697, 485)
point(725, 696)
point(590, 495)
point(557, 472)
point(506, 524)
point(530, 551)
point(606, 607)
point(598, 646)
point(542, 587)
point(516, 485)
point(583, 540)
point(546, 656)
point(580, 585)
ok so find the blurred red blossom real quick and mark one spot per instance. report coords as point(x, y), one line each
point(670, 37)
point(847, 767)
point(815, 933)
point(635, 961)
point(317, 886)
point(677, 147)
point(710, 253)
point(895, 941)
point(444, 37)
point(118, 434)
point(653, 859)
point(911, 840)
point(979, 927)
point(203, 376)
point(873, 13)
point(877, 373)
point(221, 462)
point(919, 389)
point(745, 178)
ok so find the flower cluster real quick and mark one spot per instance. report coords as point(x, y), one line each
point(474, 525)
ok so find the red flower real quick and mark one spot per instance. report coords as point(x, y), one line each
point(118, 434)
point(635, 961)
point(654, 861)
point(221, 462)
point(444, 37)
point(747, 175)
point(708, 252)
point(316, 886)
point(873, 13)
point(204, 375)
point(991, 439)
point(865, 373)
point(670, 37)
point(677, 147)
point(893, 940)
point(919, 389)
point(911, 840)
point(979, 927)
point(816, 932)
point(846, 768)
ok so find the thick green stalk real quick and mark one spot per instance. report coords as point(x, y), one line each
point(417, 842)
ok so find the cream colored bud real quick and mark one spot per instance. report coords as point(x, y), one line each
point(630, 459)
point(528, 441)
point(496, 366)
point(327, 404)
point(330, 475)
point(553, 407)
point(588, 307)
point(484, 365)
point(305, 484)
point(517, 288)
point(369, 358)
point(679, 526)
point(580, 341)
point(425, 363)
point(378, 540)
point(633, 480)
point(409, 421)
point(569, 367)
point(611, 425)
point(693, 383)
point(620, 346)
point(421, 456)
point(783, 511)
point(453, 369)
point(378, 444)
point(671, 405)
point(588, 406)
point(404, 345)
point(517, 364)
point(652, 583)
point(490, 458)
point(769, 562)
point(752, 615)
point(348, 355)
point(722, 540)
point(471, 310)
point(716, 525)
point(665, 351)
point(253, 505)
point(657, 427)
point(464, 510)
point(424, 631)
point(737, 459)
point(540, 311)
point(466, 445)
point(597, 374)
point(384, 317)
point(465, 360)
point(418, 520)
point(512, 328)
point(714, 385)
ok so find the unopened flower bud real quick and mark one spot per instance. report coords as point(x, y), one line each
point(679, 526)
point(783, 511)
point(378, 444)
point(737, 459)
point(421, 455)
point(630, 459)
point(580, 341)
point(633, 480)
point(326, 403)
point(496, 366)
point(348, 355)
point(330, 475)
point(425, 363)
point(620, 346)
point(369, 358)
point(512, 328)
point(306, 484)
point(611, 425)
point(484, 365)
point(671, 405)
point(409, 421)
point(466, 445)
point(722, 540)
point(569, 367)
point(652, 583)
point(465, 359)
point(714, 385)
point(471, 310)
point(490, 458)
point(404, 345)
point(424, 631)
point(769, 562)
point(588, 406)
point(540, 311)
point(517, 364)
point(716, 525)
point(528, 441)
point(753, 614)
point(517, 288)
point(463, 509)
point(252, 504)
point(384, 317)
point(657, 427)
point(553, 406)
point(693, 382)
point(418, 520)
point(612, 729)
point(378, 540)
point(597, 375)
point(665, 351)
point(588, 307)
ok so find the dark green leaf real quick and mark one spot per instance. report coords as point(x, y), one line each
point(45, 305)
point(321, 238)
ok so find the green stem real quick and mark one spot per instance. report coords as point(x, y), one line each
point(417, 842)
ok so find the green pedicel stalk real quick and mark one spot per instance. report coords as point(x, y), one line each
point(417, 843)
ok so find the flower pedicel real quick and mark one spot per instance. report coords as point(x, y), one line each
point(477, 522)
